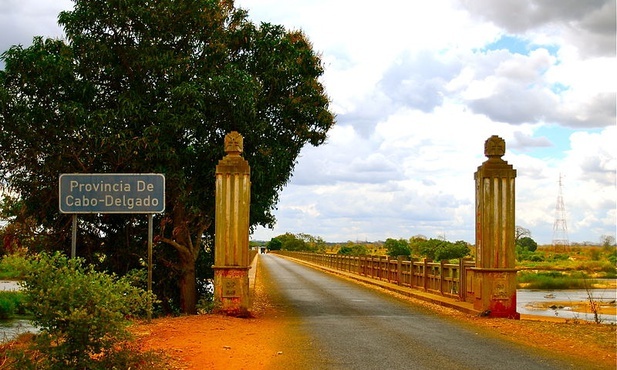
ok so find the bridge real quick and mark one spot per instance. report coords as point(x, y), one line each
point(490, 285)
point(351, 326)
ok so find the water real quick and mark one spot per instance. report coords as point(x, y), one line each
point(527, 297)
point(11, 329)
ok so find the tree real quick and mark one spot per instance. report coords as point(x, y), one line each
point(314, 244)
point(291, 242)
point(528, 244)
point(274, 244)
point(353, 249)
point(415, 242)
point(397, 247)
point(520, 232)
point(607, 241)
point(154, 87)
point(438, 249)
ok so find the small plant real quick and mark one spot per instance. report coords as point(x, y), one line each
point(594, 305)
point(82, 313)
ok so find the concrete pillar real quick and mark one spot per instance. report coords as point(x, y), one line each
point(231, 239)
point(495, 272)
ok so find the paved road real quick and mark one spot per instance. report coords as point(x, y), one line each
point(355, 327)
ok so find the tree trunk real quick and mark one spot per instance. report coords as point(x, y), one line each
point(188, 287)
point(188, 250)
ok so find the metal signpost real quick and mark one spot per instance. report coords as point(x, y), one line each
point(113, 193)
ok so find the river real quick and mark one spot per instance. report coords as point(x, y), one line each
point(9, 329)
point(528, 300)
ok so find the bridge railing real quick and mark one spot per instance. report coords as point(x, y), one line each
point(446, 279)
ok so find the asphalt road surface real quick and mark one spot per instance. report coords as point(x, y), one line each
point(354, 327)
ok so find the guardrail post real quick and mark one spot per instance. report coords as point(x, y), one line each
point(425, 274)
point(462, 280)
point(442, 276)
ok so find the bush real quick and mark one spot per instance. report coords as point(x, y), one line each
point(82, 313)
point(12, 267)
point(7, 308)
point(525, 255)
point(353, 250)
point(11, 304)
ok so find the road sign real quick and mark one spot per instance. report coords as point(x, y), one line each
point(112, 193)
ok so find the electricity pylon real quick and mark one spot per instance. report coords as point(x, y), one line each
point(560, 227)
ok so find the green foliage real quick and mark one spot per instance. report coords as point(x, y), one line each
point(11, 304)
point(397, 247)
point(13, 267)
point(553, 280)
point(301, 242)
point(352, 249)
point(612, 257)
point(82, 313)
point(154, 86)
point(558, 257)
point(438, 249)
point(524, 255)
point(527, 244)
point(289, 242)
point(415, 242)
point(274, 244)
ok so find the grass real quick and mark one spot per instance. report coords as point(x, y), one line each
point(548, 280)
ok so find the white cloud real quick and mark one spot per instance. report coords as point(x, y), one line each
point(417, 88)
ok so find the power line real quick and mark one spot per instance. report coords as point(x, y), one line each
point(560, 227)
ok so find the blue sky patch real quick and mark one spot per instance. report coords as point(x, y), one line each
point(518, 45)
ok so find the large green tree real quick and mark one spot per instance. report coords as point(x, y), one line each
point(154, 86)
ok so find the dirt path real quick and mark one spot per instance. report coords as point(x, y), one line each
point(272, 340)
point(269, 340)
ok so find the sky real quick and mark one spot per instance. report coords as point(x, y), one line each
point(417, 87)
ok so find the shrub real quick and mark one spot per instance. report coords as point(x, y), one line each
point(7, 308)
point(82, 313)
point(353, 250)
point(11, 304)
point(12, 267)
point(558, 257)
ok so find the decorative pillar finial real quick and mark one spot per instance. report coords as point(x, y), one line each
point(234, 143)
point(494, 147)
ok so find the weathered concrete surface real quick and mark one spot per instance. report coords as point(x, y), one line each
point(494, 277)
point(231, 253)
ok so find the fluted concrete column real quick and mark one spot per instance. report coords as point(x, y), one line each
point(495, 272)
point(231, 240)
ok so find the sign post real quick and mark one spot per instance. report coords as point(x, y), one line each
point(113, 193)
